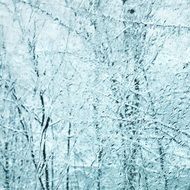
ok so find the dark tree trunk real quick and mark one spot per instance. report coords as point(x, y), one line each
point(99, 169)
point(68, 154)
point(7, 177)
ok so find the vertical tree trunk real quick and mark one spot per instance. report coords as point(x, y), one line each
point(52, 171)
point(7, 173)
point(124, 157)
point(99, 175)
point(46, 166)
point(68, 155)
point(162, 164)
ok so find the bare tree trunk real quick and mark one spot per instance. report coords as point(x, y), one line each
point(52, 170)
point(162, 163)
point(99, 165)
point(124, 157)
point(68, 155)
point(7, 177)
point(46, 166)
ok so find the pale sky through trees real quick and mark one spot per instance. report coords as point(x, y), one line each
point(95, 94)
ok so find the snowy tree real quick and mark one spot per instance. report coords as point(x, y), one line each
point(94, 94)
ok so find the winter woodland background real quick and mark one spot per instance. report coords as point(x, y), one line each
point(95, 94)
